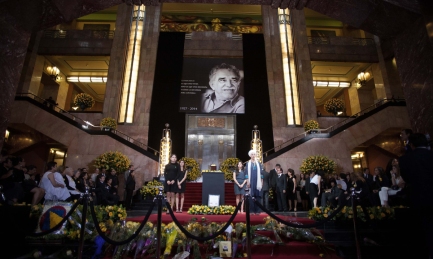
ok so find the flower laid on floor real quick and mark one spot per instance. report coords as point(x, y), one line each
point(206, 210)
point(374, 213)
point(107, 216)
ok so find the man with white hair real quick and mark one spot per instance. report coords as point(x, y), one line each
point(254, 171)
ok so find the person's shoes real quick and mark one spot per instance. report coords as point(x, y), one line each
point(294, 209)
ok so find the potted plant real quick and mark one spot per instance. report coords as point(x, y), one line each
point(108, 123)
point(115, 160)
point(334, 106)
point(84, 101)
point(314, 163)
point(311, 125)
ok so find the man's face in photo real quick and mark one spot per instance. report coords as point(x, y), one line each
point(225, 83)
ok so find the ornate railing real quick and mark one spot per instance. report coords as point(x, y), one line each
point(340, 41)
point(78, 34)
point(336, 128)
point(85, 125)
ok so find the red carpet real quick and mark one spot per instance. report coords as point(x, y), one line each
point(185, 217)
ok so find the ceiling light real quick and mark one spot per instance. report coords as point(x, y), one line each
point(330, 84)
point(86, 79)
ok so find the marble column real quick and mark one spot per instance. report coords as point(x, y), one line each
point(274, 66)
point(303, 66)
point(149, 46)
point(31, 75)
point(13, 48)
point(385, 74)
point(414, 54)
point(116, 68)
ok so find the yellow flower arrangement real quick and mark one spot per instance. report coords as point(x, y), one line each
point(206, 210)
point(311, 124)
point(193, 168)
point(109, 123)
point(228, 166)
point(115, 160)
point(318, 163)
point(151, 188)
point(84, 101)
point(334, 105)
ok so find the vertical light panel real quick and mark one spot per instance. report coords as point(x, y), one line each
point(289, 69)
point(165, 149)
point(130, 79)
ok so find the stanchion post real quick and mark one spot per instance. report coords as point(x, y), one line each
point(159, 199)
point(355, 228)
point(247, 198)
point(83, 223)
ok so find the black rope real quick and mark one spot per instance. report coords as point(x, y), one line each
point(290, 224)
point(201, 239)
point(56, 227)
point(129, 239)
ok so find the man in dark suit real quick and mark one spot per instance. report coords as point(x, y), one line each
point(265, 189)
point(404, 135)
point(280, 187)
point(273, 182)
point(367, 176)
point(416, 169)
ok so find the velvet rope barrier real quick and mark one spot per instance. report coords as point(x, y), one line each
point(129, 239)
point(290, 224)
point(219, 232)
point(56, 227)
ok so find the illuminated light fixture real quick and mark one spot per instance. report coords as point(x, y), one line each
point(362, 79)
point(289, 69)
point(7, 133)
point(331, 84)
point(88, 123)
point(75, 108)
point(85, 126)
point(165, 149)
point(130, 81)
point(339, 113)
point(256, 144)
point(53, 72)
point(86, 79)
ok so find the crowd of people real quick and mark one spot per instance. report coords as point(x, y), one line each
point(23, 183)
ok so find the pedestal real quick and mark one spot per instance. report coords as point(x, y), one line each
point(213, 183)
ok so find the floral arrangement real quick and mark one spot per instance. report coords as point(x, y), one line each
point(228, 166)
point(109, 123)
point(313, 163)
point(374, 213)
point(193, 168)
point(84, 101)
point(206, 210)
point(151, 188)
point(334, 105)
point(107, 216)
point(113, 159)
point(311, 124)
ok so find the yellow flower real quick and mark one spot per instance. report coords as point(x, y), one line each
point(371, 216)
point(110, 214)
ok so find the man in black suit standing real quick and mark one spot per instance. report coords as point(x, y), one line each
point(367, 176)
point(273, 182)
point(280, 187)
point(265, 189)
point(416, 169)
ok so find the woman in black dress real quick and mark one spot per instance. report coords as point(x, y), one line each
point(291, 189)
point(181, 186)
point(171, 173)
